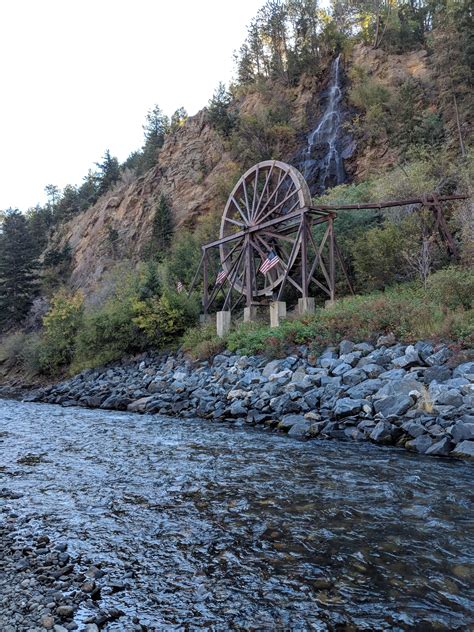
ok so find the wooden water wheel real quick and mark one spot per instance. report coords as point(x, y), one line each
point(258, 222)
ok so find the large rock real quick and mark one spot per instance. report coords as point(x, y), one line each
point(290, 420)
point(299, 429)
point(399, 388)
point(465, 448)
point(140, 404)
point(341, 368)
point(346, 406)
point(385, 341)
point(413, 429)
point(421, 444)
point(409, 359)
point(461, 431)
point(440, 357)
point(353, 377)
point(394, 406)
point(382, 433)
point(346, 346)
point(465, 370)
point(436, 374)
point(440, 448)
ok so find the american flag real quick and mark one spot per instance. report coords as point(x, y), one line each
point(179, 287)
point(221, 277)
point(270, 262)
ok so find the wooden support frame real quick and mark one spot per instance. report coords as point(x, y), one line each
point(270, 209)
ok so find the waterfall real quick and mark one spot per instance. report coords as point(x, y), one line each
point(322, 160)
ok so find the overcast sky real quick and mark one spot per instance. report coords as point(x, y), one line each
point(78, 76)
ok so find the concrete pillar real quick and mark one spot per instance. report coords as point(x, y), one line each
point(306, 305)
point(223, 323)
point(277, 313)
point(329, 304)
point(204, 318)
point(250, 313)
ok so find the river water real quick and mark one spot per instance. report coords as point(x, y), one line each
point(231, 528)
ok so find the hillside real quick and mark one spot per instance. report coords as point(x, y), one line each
point(369, 104)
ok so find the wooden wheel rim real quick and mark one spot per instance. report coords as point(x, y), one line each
point(268, 190)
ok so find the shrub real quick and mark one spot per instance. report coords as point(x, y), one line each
point(164, 319)
point(61, 324)
point(201, 342)
point(452, 287)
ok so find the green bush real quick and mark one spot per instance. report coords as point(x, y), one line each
point(452, 287)
point(164, 319)
point(201, 342)
point(61, 324)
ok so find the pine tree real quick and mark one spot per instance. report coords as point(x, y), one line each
point(218, 110)
point(18, 279)
point(156, 127)
point(162, 231)
point(109, 173)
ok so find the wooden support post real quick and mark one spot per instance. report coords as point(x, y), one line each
point(306, 305)
point(223, 323)
point(332, 267)
point(304, 257)
point(248, 271)
point(277, 313)
point(250, 313)
point(205, 274)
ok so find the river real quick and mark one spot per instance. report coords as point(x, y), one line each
point(232, 528)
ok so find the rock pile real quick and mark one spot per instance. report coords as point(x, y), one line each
point(388, 393)
point(45, 587)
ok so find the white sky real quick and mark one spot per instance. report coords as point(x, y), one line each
point(78, 76)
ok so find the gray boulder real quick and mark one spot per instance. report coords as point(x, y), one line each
point(299, 429)
point(393, 406)
point(385, 341)
point(413, 429)
point(399, 388)
point(409, 359)
point(364, 389)
point(346, 346)
point(465, 370)
point(465, 448)
point(341, 368)
point(353, 377)
point(436, 374)
point(347, 406)
point(382, 433)
point(440, 357)
point(440, 448)
point(421, 444)
point(290, 420)
point(462, 431)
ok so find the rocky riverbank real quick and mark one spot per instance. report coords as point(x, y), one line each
point(45, 587)
point(419, 397)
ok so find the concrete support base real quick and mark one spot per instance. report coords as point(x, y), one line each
point(223, 323)
point(250, 313)
point(329, 304)
point(277, 313)
point(306, 305)
point(204, 318)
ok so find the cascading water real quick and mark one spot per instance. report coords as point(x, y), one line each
point(322, 160)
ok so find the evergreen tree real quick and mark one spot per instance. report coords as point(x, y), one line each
point(218, 111)
point(109, 173)
point(18, 279)
point(162, 230)
point(156, 127)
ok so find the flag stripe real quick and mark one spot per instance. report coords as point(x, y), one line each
point(270, 262)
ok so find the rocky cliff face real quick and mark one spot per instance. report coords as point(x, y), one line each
point(190, 170)
point(194, 168)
